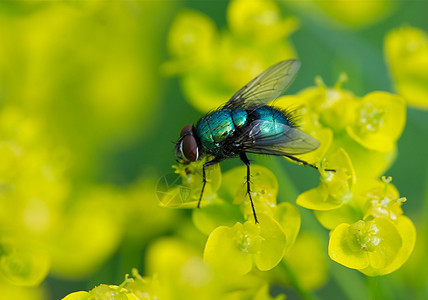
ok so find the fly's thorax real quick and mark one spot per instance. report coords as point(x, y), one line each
point(275, 119)
point(214, 128)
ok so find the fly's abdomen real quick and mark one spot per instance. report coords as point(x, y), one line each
point(214, 129)
point(274, 117)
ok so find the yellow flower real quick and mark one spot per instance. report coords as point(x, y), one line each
point(365, 244)
point(335, 188)
point(233, 251)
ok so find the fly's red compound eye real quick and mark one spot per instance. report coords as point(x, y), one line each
point(186, 147)
point(190, 148)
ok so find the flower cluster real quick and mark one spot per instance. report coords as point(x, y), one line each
point(368, 229)
point(233, 248)
point(131, 289)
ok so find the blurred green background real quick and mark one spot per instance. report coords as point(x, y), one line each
point(83, 90)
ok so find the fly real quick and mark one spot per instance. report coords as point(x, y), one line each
point(246, 124)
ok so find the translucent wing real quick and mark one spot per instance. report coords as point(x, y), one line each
point(265, 87)
point(265, 137)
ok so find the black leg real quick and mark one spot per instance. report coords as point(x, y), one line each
point(245, 160)
point(305, 163)
point(204, 178)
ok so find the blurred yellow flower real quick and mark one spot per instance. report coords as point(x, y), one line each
point(406, 53)
point(213, 65)
point(349, 13)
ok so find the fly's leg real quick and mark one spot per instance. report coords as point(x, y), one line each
point(305, 163)
point(245, 160)
point(204, 178)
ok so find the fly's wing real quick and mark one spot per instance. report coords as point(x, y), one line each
point(265, 87)
point(265, 137)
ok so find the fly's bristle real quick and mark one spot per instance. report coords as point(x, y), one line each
point(291, 114)
point(293, 117)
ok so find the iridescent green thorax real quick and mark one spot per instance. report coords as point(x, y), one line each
point(216, 127)
point(275, 120)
